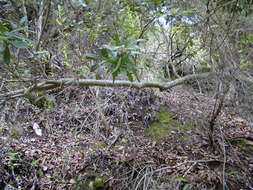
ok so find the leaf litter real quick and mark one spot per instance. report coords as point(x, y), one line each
point(98, 132)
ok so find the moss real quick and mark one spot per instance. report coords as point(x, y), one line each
point(156, 130)
point(99, 182)
point(98, 145)
point(122, 142)
point(16, 132)
point(79, 135)
point(165, 124)
point(92, 181)
point(41, 100)
point(204, 67)
point(243, 144)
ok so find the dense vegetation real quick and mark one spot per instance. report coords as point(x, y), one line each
point(83, 65)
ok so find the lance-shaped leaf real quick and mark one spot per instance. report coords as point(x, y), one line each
point(6, 55)
point(19, 44)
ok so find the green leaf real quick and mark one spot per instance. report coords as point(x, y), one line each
point(19, 29)
point(134, 47)
point(130, 76)
point(234, 173)
point(112, 48)
point(19, 44)
point(113, 60)
point(117, 66)
point(58, 21)
point(23, 20)
point(6, 55)
point(135, 53)
point(2, 28)
point(117, 41)
point(13, 154)
point(186, 186)
point(173, 11)
point(19, 36)
point(140, 40)
point(104, 53)
point(92, 56)
point(16, 164)
point(181, 178)
point(2, 46)
point(80, 3)
point(156, 2)
point(94, 67)
point(40, 52)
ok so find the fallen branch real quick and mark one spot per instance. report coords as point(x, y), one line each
point(123, 83)
point(43, 85)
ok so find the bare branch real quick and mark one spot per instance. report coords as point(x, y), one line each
point(120, 83)
point(44, 85)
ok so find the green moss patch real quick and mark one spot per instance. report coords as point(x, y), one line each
point(243, 144)
point(41, 100)
point(165, 124)
point(92, 181)
point(98, 145)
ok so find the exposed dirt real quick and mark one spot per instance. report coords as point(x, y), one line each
point(93, 139)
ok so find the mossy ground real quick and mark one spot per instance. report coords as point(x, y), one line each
point(92, 181)
point(98, 146)
point(243, 144)
point(165, 124)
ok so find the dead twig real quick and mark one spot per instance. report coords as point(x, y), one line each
point(194, 162)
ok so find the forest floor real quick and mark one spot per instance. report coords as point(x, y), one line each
point(97, 138)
